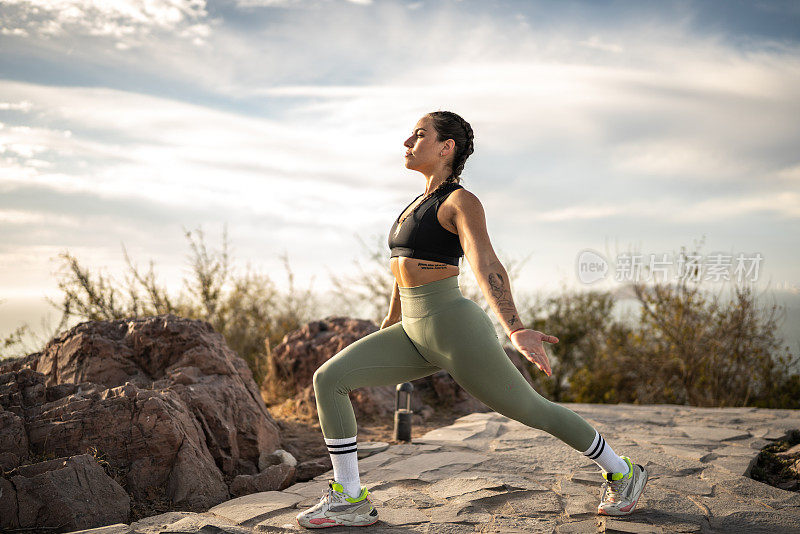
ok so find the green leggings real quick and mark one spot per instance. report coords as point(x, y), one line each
point(440, 329)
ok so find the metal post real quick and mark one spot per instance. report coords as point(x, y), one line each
point(402, 416)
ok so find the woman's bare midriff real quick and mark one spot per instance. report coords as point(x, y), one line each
point(410, 272)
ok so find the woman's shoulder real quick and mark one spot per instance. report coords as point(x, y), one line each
point(461, 195)
point(462, 200)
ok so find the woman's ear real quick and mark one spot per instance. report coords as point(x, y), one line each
point(449, 145)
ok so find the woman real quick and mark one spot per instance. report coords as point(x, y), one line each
point(432, 326)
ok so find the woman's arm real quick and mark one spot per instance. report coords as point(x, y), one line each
point(394, 308)
point(470, 222)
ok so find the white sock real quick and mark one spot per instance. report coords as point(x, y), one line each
point(604, 456)
point(344, 457)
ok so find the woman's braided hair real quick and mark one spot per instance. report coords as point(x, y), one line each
point(449, 125)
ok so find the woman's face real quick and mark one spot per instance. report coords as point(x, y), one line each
point(423, 151)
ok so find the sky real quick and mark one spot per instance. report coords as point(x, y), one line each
point(599, 125)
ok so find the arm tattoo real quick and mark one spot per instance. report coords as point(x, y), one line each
point(502, 296)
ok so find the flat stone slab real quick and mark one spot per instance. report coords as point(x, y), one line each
point(461, 485)
point(417, 465)
point(371, 447)
point(488, 473)
point(616, 525)
point(698, 455)
point(464, 431)
point(712, 433)
point(401, 517)
point(119, 528)
point(204, 523)
point(249, 509)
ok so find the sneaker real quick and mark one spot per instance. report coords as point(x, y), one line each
point(622, 492)
point(337, 508)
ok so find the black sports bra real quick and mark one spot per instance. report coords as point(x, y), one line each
point(422, 236)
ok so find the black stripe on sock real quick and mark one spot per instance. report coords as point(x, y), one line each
point(343, 452)
point(342, 445)
point(599, 441)
point(599, 452)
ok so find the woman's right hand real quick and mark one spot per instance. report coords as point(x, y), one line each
point(388, 321)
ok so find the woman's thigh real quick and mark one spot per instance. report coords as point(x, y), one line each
point(463, 341)
point(384, 357)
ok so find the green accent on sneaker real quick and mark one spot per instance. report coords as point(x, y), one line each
point(361, 496)
point(338, 487)
point(620, 476)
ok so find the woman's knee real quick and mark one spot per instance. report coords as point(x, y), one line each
point(326, 378)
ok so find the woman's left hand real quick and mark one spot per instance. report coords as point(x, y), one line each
point(529, 344)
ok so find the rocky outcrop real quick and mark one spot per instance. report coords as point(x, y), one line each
point(302, 351)
point(65, 492)
point(171, 410)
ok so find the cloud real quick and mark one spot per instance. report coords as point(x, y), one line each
point(123, 145)
point(295, 3)
point(22, 105)
point(598, 43)
point(125, 20)
point(271, 3)
point(677, 210)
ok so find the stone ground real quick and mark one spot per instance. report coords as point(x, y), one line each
point(488, 473)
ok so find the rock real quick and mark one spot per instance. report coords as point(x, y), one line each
point(712, 433)
point(119, 528)
point(368, 448)
point(426, 412)
point(399, 517)
point(787, 453)
point(415, 466)
point(252, 508)
point(163, 399)
point(464, 431)
point(450, 487)
point(280, 456)
point(684, 485)
point(581, 507)
point(616, 525)
point(312, 468)
point(770, 433)
point(156, 442)
point(205, 523)
point(155, 524)
point(13, 439)
point(302, 351)
point(66, 493)
point(740, 465)
point(698, 455)
point(274, 477)
point(588, 526)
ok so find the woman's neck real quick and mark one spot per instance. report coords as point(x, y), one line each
point(434, 182)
